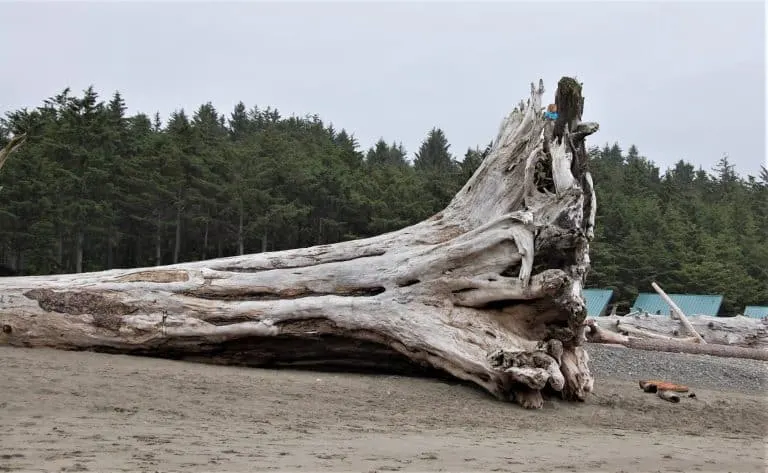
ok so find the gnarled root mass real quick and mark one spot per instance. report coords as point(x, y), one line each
point(489, 290)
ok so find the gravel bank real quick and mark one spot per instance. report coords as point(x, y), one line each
point(696, 371)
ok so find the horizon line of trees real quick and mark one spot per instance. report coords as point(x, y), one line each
point(95, 189)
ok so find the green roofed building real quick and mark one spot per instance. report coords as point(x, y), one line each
point(597, 301)
point(690, 304)
point(756, 311)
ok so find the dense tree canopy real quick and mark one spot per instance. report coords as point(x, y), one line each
point(94, 189)
point(690, 230)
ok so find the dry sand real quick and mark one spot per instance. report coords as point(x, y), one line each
point(65, 411)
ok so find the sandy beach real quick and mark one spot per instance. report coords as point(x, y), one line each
point(76, 411)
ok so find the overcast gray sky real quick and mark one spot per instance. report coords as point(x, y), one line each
point(679, 80)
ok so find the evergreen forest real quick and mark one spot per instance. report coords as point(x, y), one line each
point(94, 188)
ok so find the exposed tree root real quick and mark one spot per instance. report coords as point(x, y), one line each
point(489, 290)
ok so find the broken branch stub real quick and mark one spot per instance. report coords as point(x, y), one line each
point(12, 146)
point(680, 314)
point(8, 149)
point(489, 290)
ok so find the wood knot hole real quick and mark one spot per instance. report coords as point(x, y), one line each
point(7, 329)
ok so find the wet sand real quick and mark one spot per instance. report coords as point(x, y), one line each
point(67, 411)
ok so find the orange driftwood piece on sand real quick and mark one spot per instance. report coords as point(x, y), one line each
point(651, 386)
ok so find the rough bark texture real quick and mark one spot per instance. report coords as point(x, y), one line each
point(489, 290)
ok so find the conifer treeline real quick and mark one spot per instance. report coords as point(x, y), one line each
point(94, 189)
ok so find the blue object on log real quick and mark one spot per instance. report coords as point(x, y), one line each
point(550, 115)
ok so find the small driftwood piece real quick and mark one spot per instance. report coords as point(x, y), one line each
point(665, 390)
point(652, 385)
point(670, 396)
point(679, 313)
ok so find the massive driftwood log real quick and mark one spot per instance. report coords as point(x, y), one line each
point(489, 290)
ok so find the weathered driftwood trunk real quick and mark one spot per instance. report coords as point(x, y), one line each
point(731, 331)
point(742, 339)
point(488, 290)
